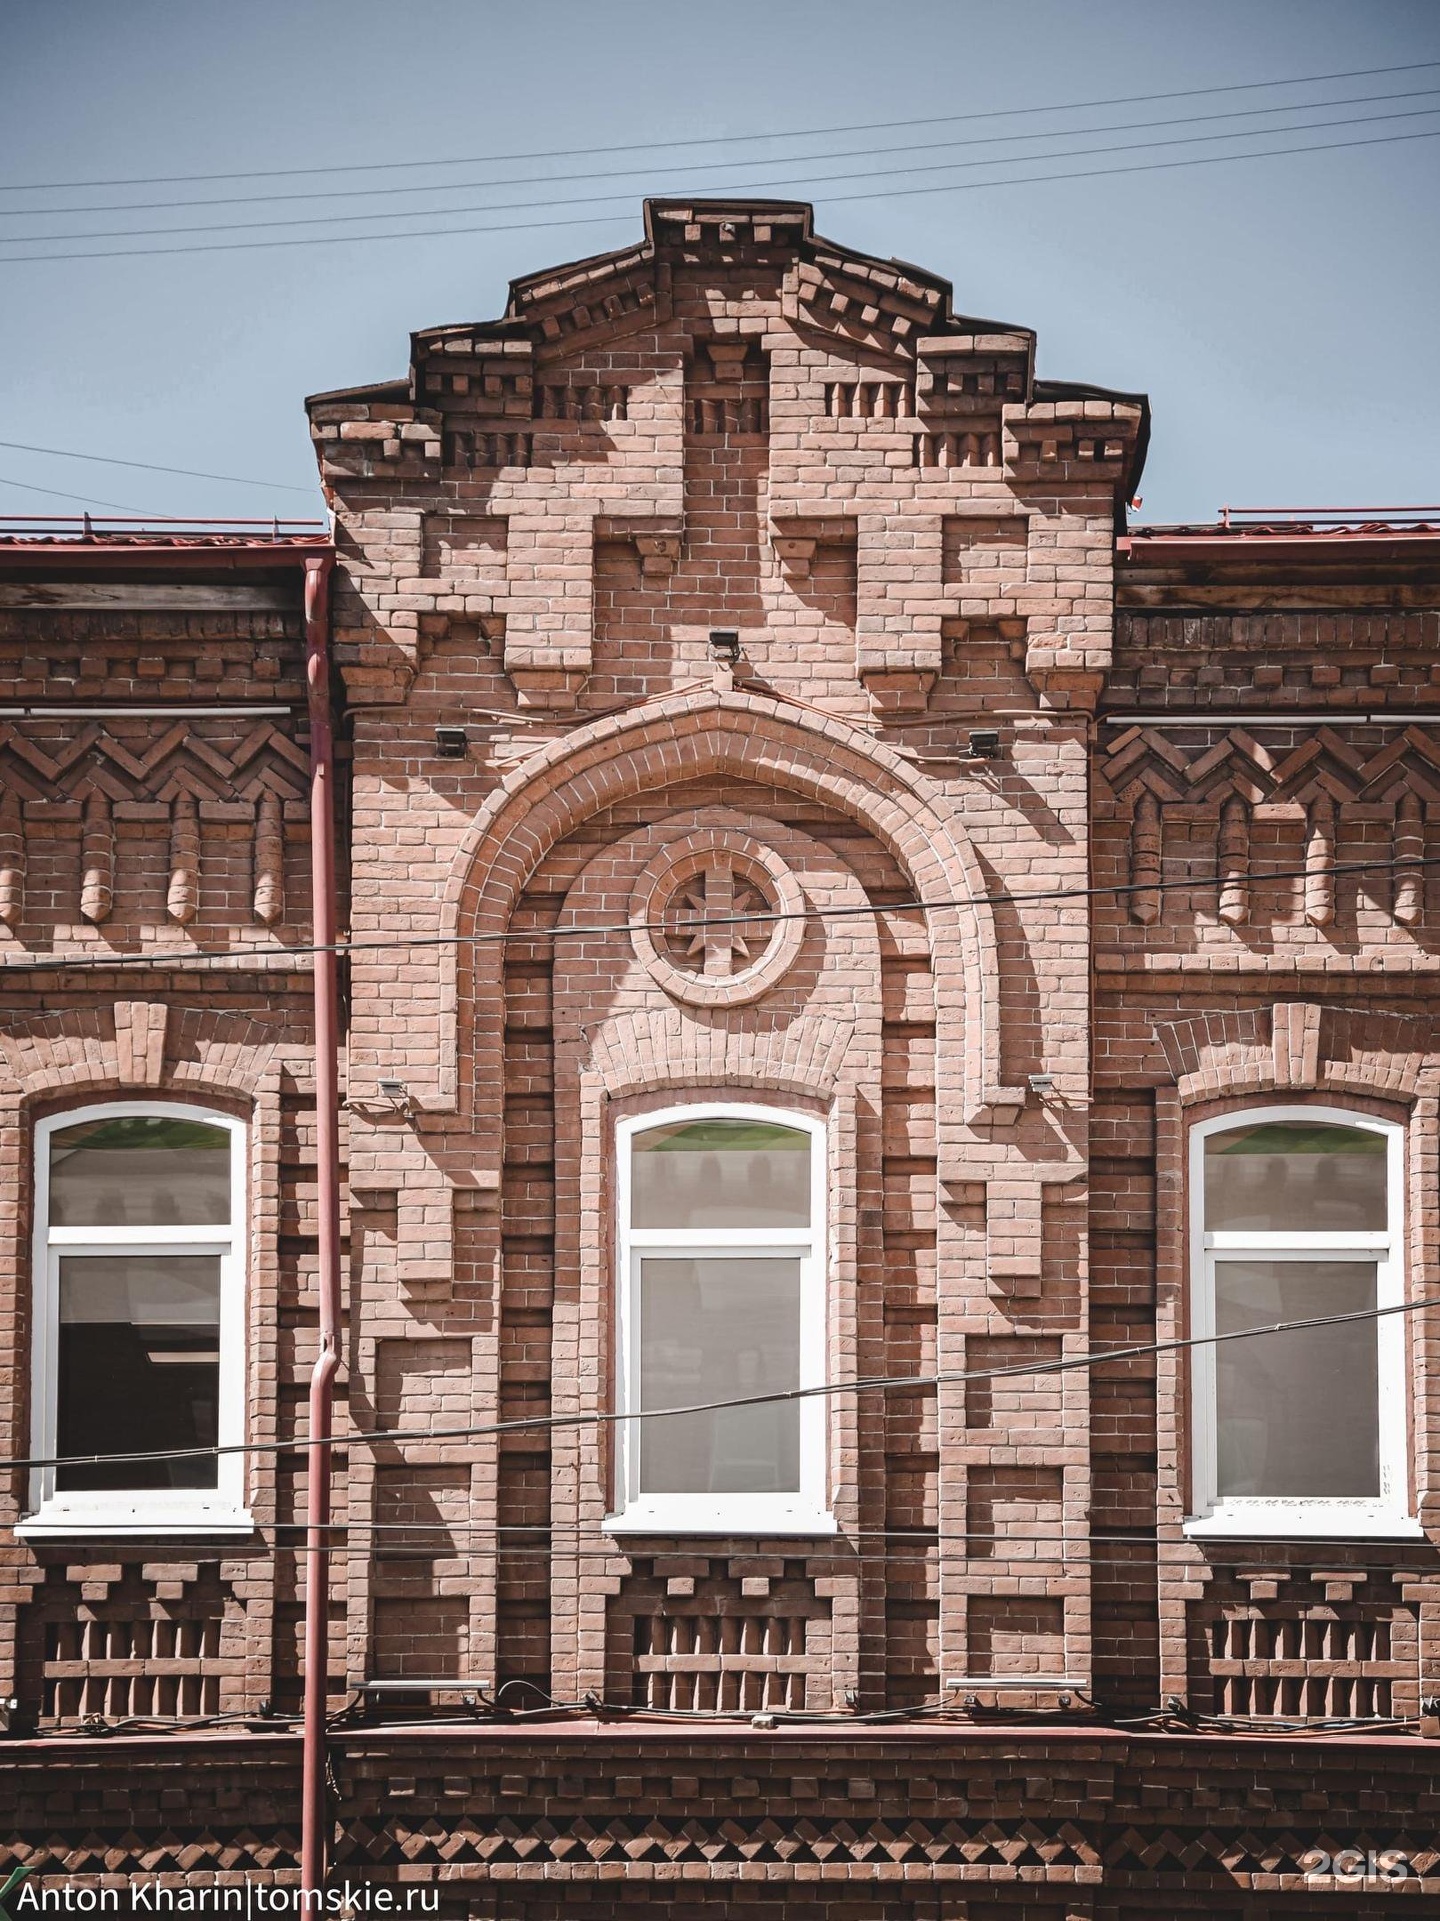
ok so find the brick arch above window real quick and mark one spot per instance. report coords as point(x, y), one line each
point(1300, 1045)
point(689, 737)
point(135, 1044)
point(658, 1047)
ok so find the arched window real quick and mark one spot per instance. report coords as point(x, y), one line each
point(1296, 1215)
point(139, 1342)
point(721, 1295)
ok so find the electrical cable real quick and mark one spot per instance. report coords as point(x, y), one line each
point(355, 1718)
point(1170, 1720)
point(720, 140)
point(995, 1555)
point(29, 487)
point(811, 182)
point(900, 1543)
point(142, 466)
point(97, 1725)
point(605, 1417)
point(681, 924)
point(607, 220)
point(570, 1537)
point(628, 173)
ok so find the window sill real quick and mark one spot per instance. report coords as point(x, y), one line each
point(71, 1524)
point(750, 1517)
point(1278, 1523)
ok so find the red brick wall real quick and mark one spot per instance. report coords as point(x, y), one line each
point(93, 1627)
point(1310, 986)
point(739, 426)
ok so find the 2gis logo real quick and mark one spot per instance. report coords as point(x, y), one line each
point(1356, 1867)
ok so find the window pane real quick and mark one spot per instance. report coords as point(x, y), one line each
point(713, 1330)
point(1299, 1412)
point(1295, 1175)
point(139, 1367)
point(140, 1170)
point(721, 1174)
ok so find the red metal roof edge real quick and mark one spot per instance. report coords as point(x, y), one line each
point(227, 546)
point(1238, 536)
point(1357, 540)
point(149, 540)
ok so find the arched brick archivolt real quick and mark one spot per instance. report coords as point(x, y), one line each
point(688, 738)
point(134, 1047)
point(1299, 1046)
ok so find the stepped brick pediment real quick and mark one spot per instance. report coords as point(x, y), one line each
point(866, 308)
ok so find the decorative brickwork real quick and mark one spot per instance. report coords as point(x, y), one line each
point(1071, 1827)
point(717, 1638)
point(165, 1644)
point(1322, 1655)
point(750, 694)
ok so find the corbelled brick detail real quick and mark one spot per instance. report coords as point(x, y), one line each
point(1087, 834)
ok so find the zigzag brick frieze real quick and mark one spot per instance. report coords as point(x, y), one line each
point(1146, 759)
point(1057, 1811)
point(1272, 799)
point(189, 786)
point(190, 757)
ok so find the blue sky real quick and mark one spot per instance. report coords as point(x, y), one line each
point(1280, 312)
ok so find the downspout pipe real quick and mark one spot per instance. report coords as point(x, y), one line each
point(315, 1820)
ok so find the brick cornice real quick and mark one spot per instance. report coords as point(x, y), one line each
point(1057, 1808)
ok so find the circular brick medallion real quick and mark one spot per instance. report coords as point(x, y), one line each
point(691, 918)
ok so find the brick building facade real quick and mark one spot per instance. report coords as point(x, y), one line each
point(773, 766)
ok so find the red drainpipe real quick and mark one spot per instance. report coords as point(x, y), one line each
point(314, 1821)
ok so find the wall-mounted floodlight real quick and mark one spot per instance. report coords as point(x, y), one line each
point(450, 743)
point(725, 644)
point(984, 743)
point(396, 1093)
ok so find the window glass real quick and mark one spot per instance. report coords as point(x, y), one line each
point(1295, 1176)
point(714, 1329)
point(1298, 1412)
point(720, 1173)
point(139, 1367)
point(140, 1170)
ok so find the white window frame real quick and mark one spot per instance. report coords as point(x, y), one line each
point(805, 1511)
point(1307, 1518)
point(149, 1511)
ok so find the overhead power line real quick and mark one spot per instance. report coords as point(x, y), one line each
point(363, 1539)
point(627, 173)
point(242, 957)
point(142, 466)
point(594, 220)
point(827, 1390)
point(723, 140)
point(84, 500)
point(811, 182)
